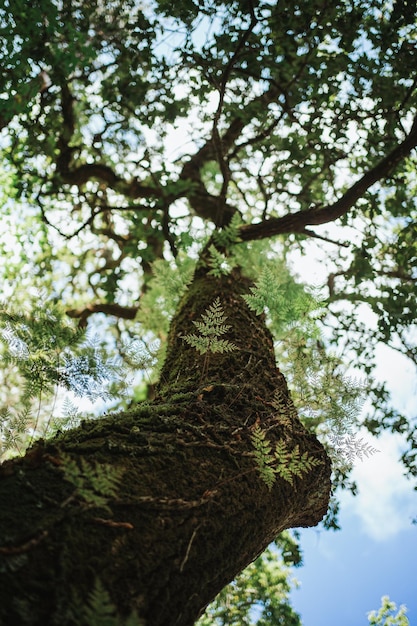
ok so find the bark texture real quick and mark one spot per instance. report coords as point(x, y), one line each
point(191, 510)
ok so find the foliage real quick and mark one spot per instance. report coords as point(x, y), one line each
point(100, 610)
point(219, 262)
point(280, 461)
point(94, 485)
point(166, 286)
point(288, 304)
point(327, 399)
point(210, 329)
point(385, 615)
point(257, 597)
point(134, 133)
point(228, 236)
point(47, 355)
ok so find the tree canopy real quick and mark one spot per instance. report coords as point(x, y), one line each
point(163, 163)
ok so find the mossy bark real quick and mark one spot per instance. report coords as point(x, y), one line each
point(191, 510)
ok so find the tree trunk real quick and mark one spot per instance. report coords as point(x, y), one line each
point(191, 509)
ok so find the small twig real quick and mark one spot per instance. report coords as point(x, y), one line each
point(311, 233)
point(24, 547)
point(185, 559)
point(112, 524)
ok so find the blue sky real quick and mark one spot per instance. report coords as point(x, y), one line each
point(345, 573)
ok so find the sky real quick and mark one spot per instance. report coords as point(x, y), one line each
point(345, 573)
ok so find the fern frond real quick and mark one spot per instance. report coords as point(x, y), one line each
point(228, 235)
point(286, 412)
point(213, 319)
point(290, 464)
point(220, 264)
point(94, 483)
point(347, 448)
point(287, 303)
point(211, 328)
point(263, 456)
point(283, 462)
point(101, 611)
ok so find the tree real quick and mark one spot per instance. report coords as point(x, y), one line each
point(289, 117)
point(385, 616)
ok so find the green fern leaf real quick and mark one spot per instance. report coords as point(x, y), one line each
point(211, 328)
point(229, 235)
point(218, 262)
point(263, 456)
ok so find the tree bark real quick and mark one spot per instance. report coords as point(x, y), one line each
point(190, 511)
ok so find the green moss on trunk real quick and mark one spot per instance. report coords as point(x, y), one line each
point(191, 510)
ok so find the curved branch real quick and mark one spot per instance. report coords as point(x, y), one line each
point(125, 312)
point(297, 222)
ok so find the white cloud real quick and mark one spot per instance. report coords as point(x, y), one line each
point(386, 502)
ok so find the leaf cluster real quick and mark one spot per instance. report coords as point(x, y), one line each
point(279, 461)
point(167, 284)
point(45, 356)
point(259, 596)
point(386, 615)
point(94, 484)
point(100, 610)
point(211, 329)
point(287, 303)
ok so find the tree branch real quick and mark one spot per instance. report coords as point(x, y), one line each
point(297, 222)
point(125, 312)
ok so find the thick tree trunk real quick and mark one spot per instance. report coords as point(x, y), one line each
point(191, 510)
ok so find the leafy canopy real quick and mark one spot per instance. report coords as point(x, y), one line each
point(135, 134)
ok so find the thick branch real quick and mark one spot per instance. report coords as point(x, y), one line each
point(297, 222)
point(125, 312)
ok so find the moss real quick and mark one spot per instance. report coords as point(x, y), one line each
point(190, 511)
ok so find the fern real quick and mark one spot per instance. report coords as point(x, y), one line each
point(14, 426)
point(94, 484)
point(159, 302)
point(291, 463)
point(285, 410)
point(47, 356)
point(220, 264)
point(280, 461)
point(100, 610)
point(211, 328)
point(71, 418)
point(348, 448)
point(228, 235)
point(263, 456)
point(287, 303)
point(330, 401)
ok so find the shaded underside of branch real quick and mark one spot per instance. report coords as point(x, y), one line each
point(124, 312)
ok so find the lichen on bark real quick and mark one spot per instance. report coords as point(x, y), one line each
point(191, 510)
